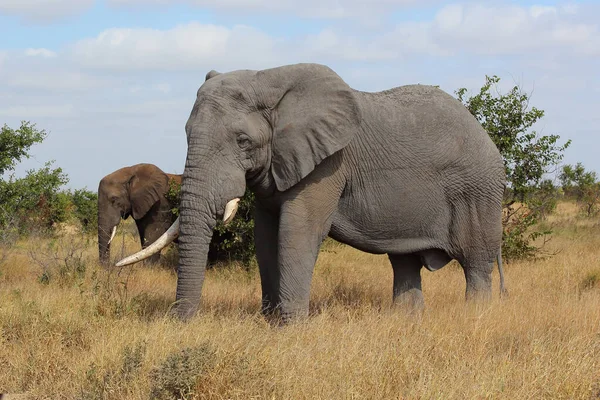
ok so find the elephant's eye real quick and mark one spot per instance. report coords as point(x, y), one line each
point(244, 142)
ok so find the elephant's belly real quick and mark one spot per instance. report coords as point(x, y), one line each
point(385, 243)
point(401, 224)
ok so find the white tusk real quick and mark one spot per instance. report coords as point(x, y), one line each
point(230, 210)
point(112, 235)
point(166, 238)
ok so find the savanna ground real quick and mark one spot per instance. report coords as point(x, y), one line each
point(69, 329)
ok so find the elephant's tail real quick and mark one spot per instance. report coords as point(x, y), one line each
point(503, 291)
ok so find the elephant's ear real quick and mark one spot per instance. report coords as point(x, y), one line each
point(317, 116)
point(145, 191)
point(211, 74)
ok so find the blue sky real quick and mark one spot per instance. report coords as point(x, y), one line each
point(113, 81)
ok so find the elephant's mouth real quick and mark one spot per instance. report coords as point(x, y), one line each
point(125, 215)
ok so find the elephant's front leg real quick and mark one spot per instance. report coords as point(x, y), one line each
point(266, 226)
point(304, 223)
point(149, 232)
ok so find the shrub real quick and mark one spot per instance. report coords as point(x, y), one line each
point(114, 382)
point(173, 196)
point(63, 260)
point(590, 281)
point(85, 211)
point(235, 242)
point(15, 144)
point(34, 201)
point(543, 199)
point(178, 375)
point(583, 186)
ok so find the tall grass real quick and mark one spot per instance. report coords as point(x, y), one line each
point(106, 334)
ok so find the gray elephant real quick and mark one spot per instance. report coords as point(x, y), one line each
point(407, 172)
point(139, 191)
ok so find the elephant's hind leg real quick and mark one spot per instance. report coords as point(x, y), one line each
point(478, 275)
point(407, 281)
point(479, 238)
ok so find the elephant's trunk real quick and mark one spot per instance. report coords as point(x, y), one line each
point(108, 219)
point(103, 246)
point(106, 232)
point(197, 219)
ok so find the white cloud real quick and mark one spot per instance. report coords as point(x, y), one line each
point(537, 11)
point(456, 29)
point(570, 8)
point(142, 108)
point(190, 46)
point(511, 30)
point(162, 87)
point(44, 10)
point(55, 81)
point(40, 53)
point(43, 70)
point(31, 112)
point(328, 45)
point(330, 9)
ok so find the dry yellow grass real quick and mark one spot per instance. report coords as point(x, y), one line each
point(78, 338)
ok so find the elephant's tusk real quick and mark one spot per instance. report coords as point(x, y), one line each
point(230, 210)
point(155, 247)
point(112, 235)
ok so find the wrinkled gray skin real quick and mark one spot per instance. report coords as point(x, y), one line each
point(138, 191)
point(407, 172)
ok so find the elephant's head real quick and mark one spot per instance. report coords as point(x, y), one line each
point(128, 191)
point(266, 129)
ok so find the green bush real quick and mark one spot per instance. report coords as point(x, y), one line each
point(34, 203)
point(583, 186)
point(85, 210)
point(15, 144)
point(235, 242)
point(178, 375)
point(37, 202)
point(544, 199)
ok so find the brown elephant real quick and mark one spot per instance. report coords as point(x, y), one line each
point(139, 191)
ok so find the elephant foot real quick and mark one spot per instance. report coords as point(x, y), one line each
point(411, 301)
point(290, 315)
point(271, 313)
point(269, 305)
point(479, 282)
point(184, 310)
point(478, 297)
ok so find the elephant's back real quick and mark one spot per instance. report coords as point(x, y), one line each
point(431, 140)
point(429, 128)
